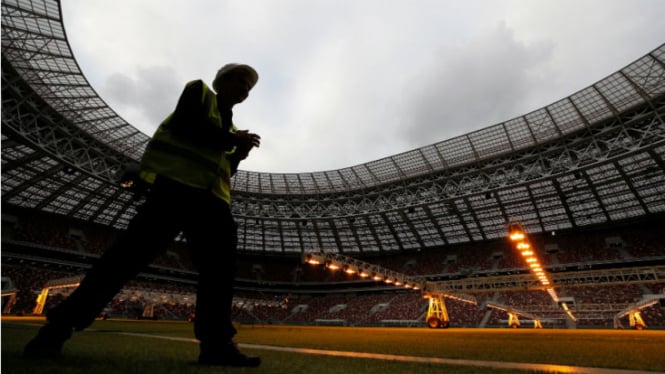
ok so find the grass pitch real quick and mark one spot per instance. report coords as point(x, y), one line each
point(106, 348)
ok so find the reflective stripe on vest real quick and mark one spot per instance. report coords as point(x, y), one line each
point(191, 164)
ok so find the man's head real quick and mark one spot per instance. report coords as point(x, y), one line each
point(233, 82)
point(232, 69)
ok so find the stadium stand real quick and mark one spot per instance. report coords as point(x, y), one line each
point(267, 282)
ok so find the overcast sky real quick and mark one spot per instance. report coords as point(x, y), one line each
point(344, 82)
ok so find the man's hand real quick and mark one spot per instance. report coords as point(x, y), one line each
point(246, 141)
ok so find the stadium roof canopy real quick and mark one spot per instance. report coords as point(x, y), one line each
point(594, 157)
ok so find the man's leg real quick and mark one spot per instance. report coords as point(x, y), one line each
point(212, 241)
point(148, 235)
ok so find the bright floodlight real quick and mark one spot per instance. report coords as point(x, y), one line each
point(331, 265)
point(515, 232)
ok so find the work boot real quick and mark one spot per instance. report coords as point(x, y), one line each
point(227, 355)
point(48, 342)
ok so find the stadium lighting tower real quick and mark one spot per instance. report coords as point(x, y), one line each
point(520, 239)
point(513, 315)
point(351, 266)
point(68, 282)
point(437, 314)
point(633, 311)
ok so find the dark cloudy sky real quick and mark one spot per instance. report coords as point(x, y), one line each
point(343, 82)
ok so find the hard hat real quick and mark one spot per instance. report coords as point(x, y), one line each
point(246, 69)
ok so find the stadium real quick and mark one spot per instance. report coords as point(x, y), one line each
point(545, 230)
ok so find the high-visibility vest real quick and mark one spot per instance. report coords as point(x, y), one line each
point(195, 165)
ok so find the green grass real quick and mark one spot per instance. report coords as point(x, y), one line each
point(102, 350)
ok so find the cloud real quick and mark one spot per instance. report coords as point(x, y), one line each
point(346, 82)
point(146, 97)
point(473, 86)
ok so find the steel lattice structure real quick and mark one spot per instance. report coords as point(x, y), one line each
point(594, 157)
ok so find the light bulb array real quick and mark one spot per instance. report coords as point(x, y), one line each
point(353, 267)
point(518, 236)
point(521, 241)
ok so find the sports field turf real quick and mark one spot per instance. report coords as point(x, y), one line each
point(140, 347)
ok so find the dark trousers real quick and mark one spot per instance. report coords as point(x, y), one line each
point(211, 235)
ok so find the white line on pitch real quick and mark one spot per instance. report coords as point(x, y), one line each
point(415, 359)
